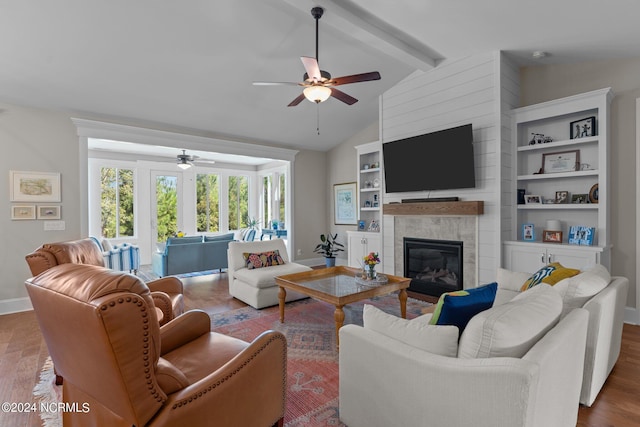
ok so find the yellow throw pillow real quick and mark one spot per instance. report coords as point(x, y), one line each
point(549, 274)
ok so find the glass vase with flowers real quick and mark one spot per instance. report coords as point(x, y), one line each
point(370, 262)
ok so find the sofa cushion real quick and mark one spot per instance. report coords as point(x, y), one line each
point(262, 259)
point(458, 307)
point(577, 290)
point(265, 277)
point(218, 237)
point(549, 274)
point(511, 280)
point(442, 340)
point(184, 240)
point(511, 329)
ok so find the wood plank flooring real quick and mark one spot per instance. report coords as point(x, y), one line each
point(23, 352)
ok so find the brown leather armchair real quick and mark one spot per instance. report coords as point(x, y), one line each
point(167, 293)
point(122, 369)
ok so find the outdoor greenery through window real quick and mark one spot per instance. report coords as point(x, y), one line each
point(116, 202)
point(166, 206)
point(208, 202)
point(238, 202)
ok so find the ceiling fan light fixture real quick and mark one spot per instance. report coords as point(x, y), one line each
point(317, 94)
point(184, 164)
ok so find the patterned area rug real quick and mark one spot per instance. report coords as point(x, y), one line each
point(312, 362)
point(312, 371)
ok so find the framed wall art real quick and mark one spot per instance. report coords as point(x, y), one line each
point(34, 186)
point(20, 212)
point(583, 128)
point(345, 204)
point(48, 212)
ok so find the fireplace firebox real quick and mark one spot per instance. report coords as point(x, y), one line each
point(434, 266)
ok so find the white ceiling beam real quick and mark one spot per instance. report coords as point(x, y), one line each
point(363, 26)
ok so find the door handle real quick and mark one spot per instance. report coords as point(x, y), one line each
point(542, 258)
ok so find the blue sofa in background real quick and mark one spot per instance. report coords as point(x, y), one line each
point(191, 254)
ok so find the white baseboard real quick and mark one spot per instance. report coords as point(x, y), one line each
point(631, 315)
point(15, 305)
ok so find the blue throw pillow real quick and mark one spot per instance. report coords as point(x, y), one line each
point(458, 307)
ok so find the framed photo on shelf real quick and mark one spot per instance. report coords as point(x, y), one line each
point(345, 204)
point(582, 128)
point(34, 186)
point(579, 198)
point(528, 232)
point(549, 236)
point(532, 199)
point(562, 197)
point(48, 212)
point(581, 235)
point(20, 212)
point(374, 226)
point(562, 161)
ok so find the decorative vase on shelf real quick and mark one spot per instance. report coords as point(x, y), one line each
point(371, 272)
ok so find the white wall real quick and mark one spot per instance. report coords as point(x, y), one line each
point(42, 141)
point(480, 90)
point(548, 82)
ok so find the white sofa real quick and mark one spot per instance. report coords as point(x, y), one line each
point(606, 318)
point(257, 286)
point(387, 380)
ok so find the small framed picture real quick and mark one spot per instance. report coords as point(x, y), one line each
point(532, 199)
point(581, 235)
point(528, 233)
point(549, 236)
point(367, 204)
point(579, 198)
point(48, 212)
point(362, 224)
point(583, 128)
point(562, 197)
point(19, 212)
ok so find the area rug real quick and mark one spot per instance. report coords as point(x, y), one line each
point(312, 358)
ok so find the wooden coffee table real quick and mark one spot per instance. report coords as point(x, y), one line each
point(338, 286)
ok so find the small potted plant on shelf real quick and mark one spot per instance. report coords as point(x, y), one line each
point(329, 247)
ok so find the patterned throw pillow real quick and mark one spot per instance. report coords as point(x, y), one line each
point(458, 307)
point(549, 274)
point(262, 259)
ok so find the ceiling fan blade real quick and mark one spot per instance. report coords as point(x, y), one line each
point(356, 78)
point(296, 101)
point(347, 99)
point(311, 67)
point(277, 84)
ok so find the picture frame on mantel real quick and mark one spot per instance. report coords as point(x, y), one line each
point(345, 203)
point(35, 187)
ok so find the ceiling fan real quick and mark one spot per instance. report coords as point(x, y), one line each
point(185, 161)
point(318, 84)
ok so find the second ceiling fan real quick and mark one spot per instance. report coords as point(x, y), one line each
point(318, 84)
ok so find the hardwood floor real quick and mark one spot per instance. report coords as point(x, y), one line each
point(23, 352)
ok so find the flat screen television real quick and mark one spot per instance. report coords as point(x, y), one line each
point(440, 160)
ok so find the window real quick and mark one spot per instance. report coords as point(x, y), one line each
point(266, 201)
point(281, 197)
point(166, 206)
point(116, 202)
point(208, 202)
point(238, 202)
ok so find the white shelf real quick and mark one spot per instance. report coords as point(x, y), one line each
point(370, 209)
point(561, 206)
point(559, 175)
point(370, 170)
point(369, 190)
point(564, 143)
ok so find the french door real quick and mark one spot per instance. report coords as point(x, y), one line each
point(166, 198)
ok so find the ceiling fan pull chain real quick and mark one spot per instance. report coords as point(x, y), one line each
point(318, 118)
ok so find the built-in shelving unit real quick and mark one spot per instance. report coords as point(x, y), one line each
point(555, 119)
point(368, 237)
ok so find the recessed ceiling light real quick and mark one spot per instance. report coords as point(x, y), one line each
point(538, 54)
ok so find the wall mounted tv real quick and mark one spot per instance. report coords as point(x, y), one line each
point(440, 160)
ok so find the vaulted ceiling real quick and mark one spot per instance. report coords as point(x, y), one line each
point(189, 65)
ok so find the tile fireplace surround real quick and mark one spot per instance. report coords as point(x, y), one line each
point(461, 228)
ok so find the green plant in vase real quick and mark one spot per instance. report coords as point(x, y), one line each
point(329, 247)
